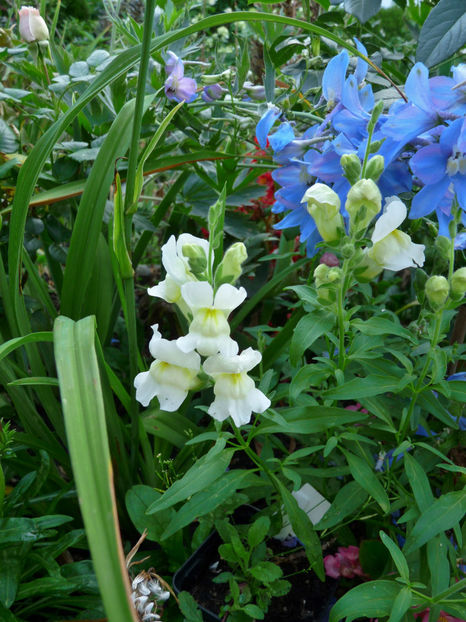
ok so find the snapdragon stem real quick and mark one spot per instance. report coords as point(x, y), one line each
point(370, 131)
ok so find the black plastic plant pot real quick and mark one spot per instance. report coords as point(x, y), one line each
point(199, 565)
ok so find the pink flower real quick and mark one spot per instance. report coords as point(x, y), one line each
point(423, 616)
point(32, 26)
point(357, 407)
point(345, 563)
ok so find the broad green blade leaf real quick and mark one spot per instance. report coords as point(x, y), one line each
point(442, 514)
point(401, 605)
point(369, 600)
point(443, 32)
point(366, 477)
point(363, 9)
point(205, 501)
point(382, 326)
point(439, 566)
point(397, 556)
point(138, 499)
point(308, 420)
point(419, 483)
point(349, 499)
point(302, 527)
point(17, 342)
point(199, 477)
point(33, 380)
point(309, 328)
point(83, 407)
point(369, 386)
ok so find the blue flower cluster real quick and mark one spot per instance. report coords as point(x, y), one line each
point(422, 140)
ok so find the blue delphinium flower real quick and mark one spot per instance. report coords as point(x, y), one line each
point(265, 124)
point(177, 87)
point(212, 92)
point(438, 166)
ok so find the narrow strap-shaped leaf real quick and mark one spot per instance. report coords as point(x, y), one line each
point(83, 407)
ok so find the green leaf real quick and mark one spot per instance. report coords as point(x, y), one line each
point(189, 608)
point(258, 531)
point(11, 563)
point(348, 499)
point(397, 556)
point(83, 407)
point(309, 328)
point(33, 380)
point(363, 9)
point(368, 600)
point(419, 483)
point(381, 326)
point(369, 386)
point(201, 475)
point(266, 572)
point(401, 605)
point(308, 420)
point(443, 32)
point(205, 501)
point(366, 477)
point(437, 560)
point(138, 499)
point(308, 376)
point(303, 528)
point(17, 342)
point(444, 513)
point(269, 80)
point(254, 611)
point(8, 140)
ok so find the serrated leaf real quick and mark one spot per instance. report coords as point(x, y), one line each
point(443, 32)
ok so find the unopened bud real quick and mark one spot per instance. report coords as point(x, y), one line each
point(32, 26)
point(363, 203)
point(437, 290)
point(330, 260)
point(196, 258)
point(255, 91)
point(347, 250)
point(229, 269)
point(320, 274)
point(376, 112)
point(323, 204)
point(375, 167)
point(458, 283)
point(351, 165)
point(216, 77)
point(444, 246)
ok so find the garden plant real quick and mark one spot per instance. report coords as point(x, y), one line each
point(232, 312)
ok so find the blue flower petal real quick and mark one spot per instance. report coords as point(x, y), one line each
point(417, 87)
point(265, 125)
point(425, 201)
point(429, 164)
point(361, 65)
point(459, 183)
point(282, 137)
point(334, 77)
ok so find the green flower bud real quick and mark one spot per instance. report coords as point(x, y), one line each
point(333, 275)
point(229, 269)
point(444, 245)
point(458, 284)
point(351, 165)
point(375, 167)
point(437, 290)
point(347, 250)
point(363, 203)
point(320, 274)
point(326, 280)
point(323, 204)
point(196, 258)
point(214, 78)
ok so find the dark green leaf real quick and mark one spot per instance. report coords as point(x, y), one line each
point(366, 477)
point(348, 499)
point(397, 556)
point(419, 483)
point(362, 9)
point(443, 32)
point(369, 600)
point(309, 328)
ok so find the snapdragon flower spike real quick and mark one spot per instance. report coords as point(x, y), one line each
point(177, 87)
point(209, 331)
point(170, 377)
point(440, 166)
point(177, 268)
point(236, 395)
point(391, 248)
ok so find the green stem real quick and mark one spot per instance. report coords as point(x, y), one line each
point(420, 383)
point(341, 315)
point(370, 131)
point(128, 286)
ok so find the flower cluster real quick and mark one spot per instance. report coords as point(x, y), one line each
point(146, 592)
point(345, 563)
point(421, 141)
point(177, 364)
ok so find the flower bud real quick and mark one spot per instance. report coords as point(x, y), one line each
point(255, 91)
point(212, 92)
point(323, 204)
point(375, 167)
point(216, 77)
point(347, 250)
point(229, 269)
point(363, 202)
point(444, 246)
point(32, 26)
point(330, 260)
point(325, 279)
point(320, 274)
point(351, 165)
point(196, 258)
point(437, 290)
point(458, 284)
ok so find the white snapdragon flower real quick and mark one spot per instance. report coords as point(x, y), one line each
point(209, 331)
point(391, 248)
point(171, 375)
point(32, 26)
point(236, 395)
point(177, 267)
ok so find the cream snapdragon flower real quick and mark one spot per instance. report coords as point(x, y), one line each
point(170, 377)
point(391, 248)
point(177, 267)
point(209, 331)
point(236, 395)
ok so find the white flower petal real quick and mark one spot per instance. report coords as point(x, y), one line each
point(168, 290)
point(156, 337)
point(187, 238)
point(176, 267)
point(187, 343)
point(245, 361)
point(228, 297)
point(171, 397)
point(394, 214)
point(168, 351)
point(198, 294)
point(146, 387)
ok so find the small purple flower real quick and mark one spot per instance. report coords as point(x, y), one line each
point(177, 87)
point(212, 92)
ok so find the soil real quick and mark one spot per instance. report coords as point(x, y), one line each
point(309, 600)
